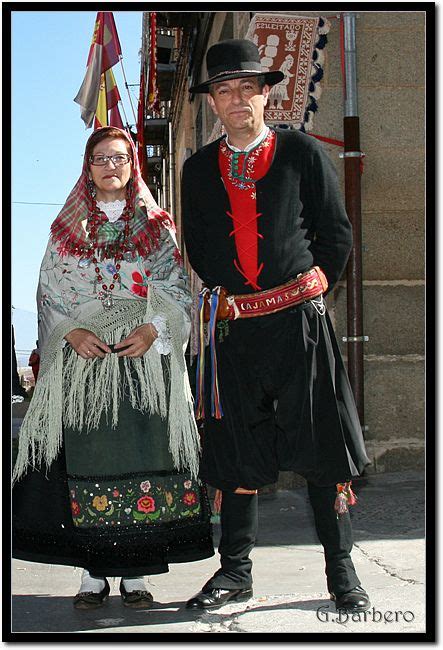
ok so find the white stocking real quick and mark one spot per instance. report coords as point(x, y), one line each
point(89, 583)
point(134, 583)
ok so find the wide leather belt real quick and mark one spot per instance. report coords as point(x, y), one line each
point(302, 289)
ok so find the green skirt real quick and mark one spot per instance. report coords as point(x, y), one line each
point(113, 503)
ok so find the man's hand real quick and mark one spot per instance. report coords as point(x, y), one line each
point(87, 344)
point(138, 342)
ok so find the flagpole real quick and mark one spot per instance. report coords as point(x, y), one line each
point(124, 113)
point(127, 88)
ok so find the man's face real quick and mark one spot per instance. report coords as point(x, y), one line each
point(240, 104)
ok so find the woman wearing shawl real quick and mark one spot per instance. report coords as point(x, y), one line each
point(106, 472)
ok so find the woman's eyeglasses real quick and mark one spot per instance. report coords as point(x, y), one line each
point(118, 159)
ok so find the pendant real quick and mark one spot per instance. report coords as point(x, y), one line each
point(107, 301)
point(119, 225)
point(223, 330)
point(128, 256)
point(84, 262)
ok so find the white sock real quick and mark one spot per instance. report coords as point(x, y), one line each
point(134, 583)
point(89, 583)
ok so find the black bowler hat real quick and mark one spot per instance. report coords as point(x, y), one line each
point(234, 59)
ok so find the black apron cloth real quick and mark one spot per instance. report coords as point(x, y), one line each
point(112, 503)
point(287, 404)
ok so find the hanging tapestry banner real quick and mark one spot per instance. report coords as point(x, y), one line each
point(293, 45)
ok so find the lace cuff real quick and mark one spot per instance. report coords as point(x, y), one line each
point(163, 341)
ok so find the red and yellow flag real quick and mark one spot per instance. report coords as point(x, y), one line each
point(153, 100)
point(101, 113)
point(105, 51)
point(108, 99)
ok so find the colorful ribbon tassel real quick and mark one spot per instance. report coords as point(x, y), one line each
point(345, 498)
point(200, 376)
point(216, 408)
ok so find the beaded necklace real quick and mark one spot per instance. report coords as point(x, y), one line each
point(122, 248)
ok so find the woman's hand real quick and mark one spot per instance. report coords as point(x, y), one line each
point(138, 342)
point(87, 344)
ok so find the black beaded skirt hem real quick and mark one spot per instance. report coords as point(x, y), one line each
point(135, 557)
point(112, 502)
point(49, 534)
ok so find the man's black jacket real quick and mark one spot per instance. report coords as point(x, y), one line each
point(302, 216)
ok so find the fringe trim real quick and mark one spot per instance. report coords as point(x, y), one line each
point(144, 242)
point(93, 389)
point(315, 90)
point(323, 25)
point(41, 431)
point(184, 439)
point(63, 396)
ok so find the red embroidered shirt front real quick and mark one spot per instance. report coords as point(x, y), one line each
point(240, 171)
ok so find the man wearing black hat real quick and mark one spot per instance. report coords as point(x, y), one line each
point(266, 230)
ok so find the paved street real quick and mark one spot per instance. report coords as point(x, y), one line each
point(290, 593)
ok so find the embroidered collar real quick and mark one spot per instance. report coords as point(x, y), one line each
point(112, 209)
point(242, 171)
point(262, 135)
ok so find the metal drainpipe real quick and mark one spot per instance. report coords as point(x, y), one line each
point(352, 158)
point(171, 173)
point(164, 200)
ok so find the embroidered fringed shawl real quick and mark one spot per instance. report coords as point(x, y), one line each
point(75, 392)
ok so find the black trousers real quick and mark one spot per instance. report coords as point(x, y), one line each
point(287, 405)
point(239, 524)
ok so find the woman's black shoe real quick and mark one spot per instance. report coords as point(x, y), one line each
point(137, 599)
point(355, 600)
point(213, 598)
point(91, 599)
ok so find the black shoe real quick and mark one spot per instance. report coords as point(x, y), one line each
point(355, 600)
point(137, 599)
point(213, 598)
point(91, 599)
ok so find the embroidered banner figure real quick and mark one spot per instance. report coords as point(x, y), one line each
point(292, 44)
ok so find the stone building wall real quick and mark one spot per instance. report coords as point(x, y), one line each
point(391, 96)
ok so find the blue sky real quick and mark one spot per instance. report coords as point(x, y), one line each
point(49, 53)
